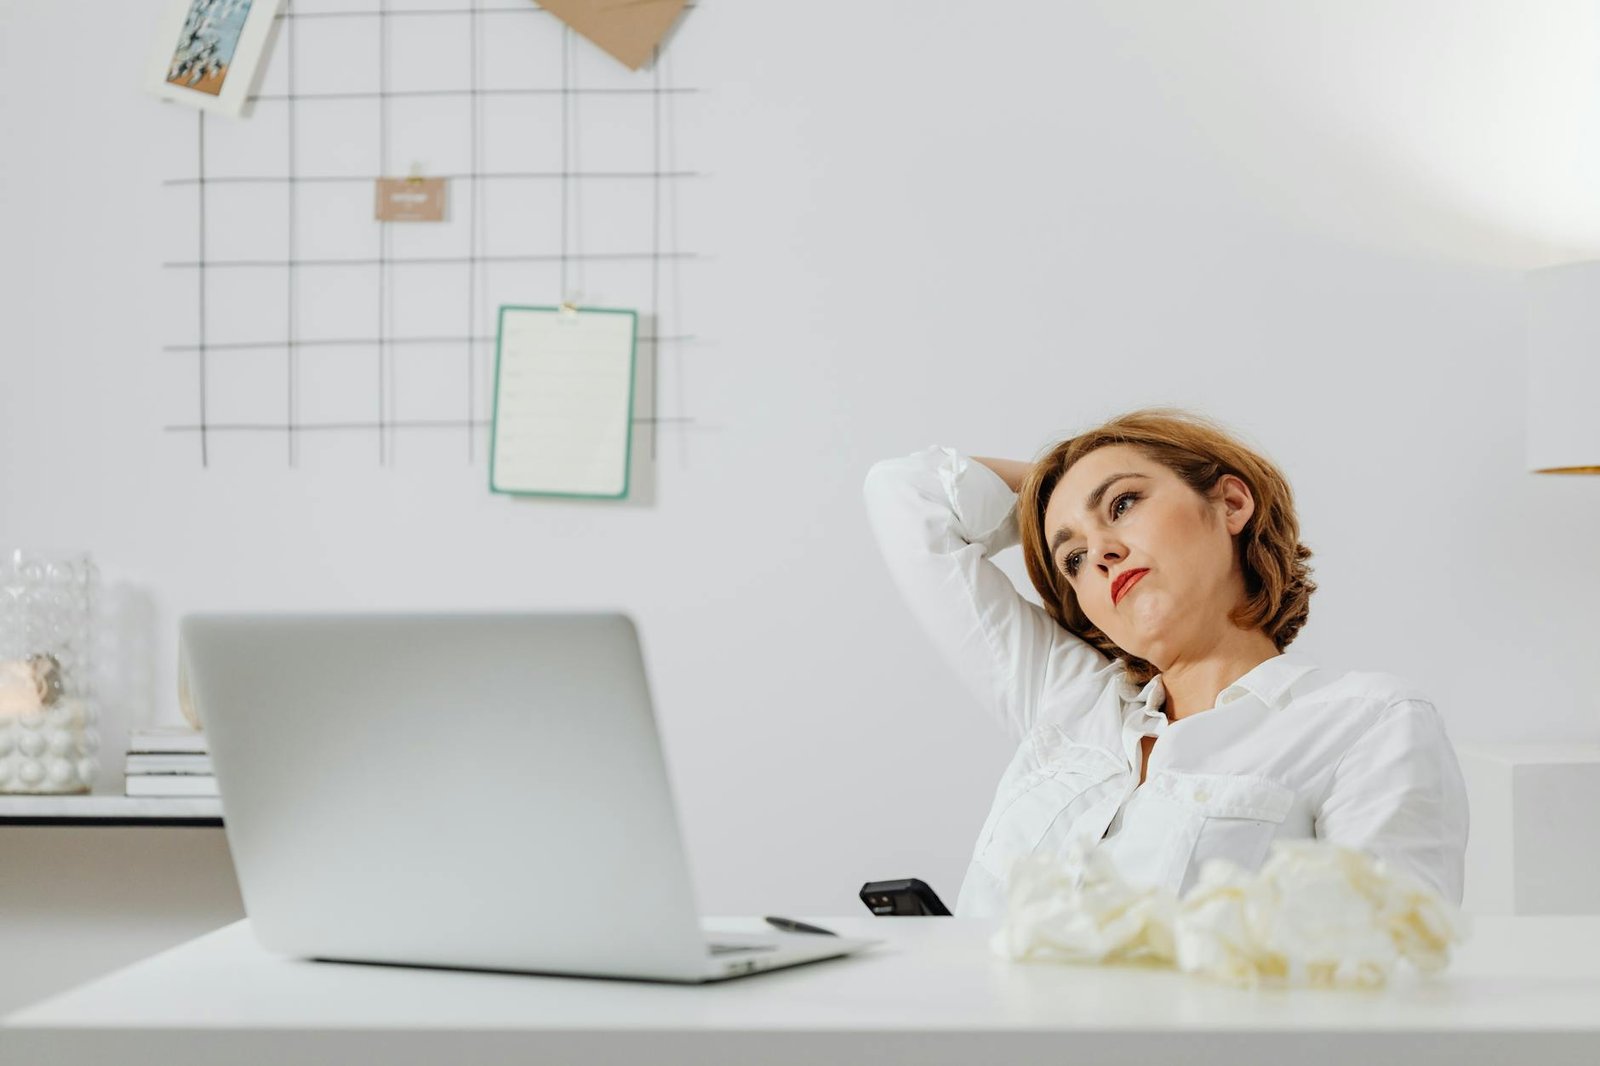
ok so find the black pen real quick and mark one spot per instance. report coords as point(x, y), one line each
point(789, 925)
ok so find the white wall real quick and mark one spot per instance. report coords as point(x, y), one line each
point(980, 225)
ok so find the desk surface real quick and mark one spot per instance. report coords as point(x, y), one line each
point(1523, 989)
point(110, 808)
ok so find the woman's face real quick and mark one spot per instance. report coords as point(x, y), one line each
point(1116, 512)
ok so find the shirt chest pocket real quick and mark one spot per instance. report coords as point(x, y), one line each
point(1224, 816)
point(1037, 810)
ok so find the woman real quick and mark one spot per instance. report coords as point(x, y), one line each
point(1156, 709)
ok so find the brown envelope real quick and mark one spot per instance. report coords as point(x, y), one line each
point(626, 29)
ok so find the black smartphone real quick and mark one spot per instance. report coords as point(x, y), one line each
point(908, 896)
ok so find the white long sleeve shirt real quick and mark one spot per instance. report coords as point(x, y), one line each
point(1290, 750)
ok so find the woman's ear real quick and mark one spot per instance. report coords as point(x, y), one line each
point(1237, 503)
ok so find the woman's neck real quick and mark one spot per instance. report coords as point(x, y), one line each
point(1193, 685)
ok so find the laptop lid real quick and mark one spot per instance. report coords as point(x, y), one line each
point(482, 790)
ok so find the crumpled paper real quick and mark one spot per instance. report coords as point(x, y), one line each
point(1077, 908)
point(1315, 913)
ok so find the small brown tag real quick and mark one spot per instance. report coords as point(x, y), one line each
point(410, 200)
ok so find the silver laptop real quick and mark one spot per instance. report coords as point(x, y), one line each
point(462, 790)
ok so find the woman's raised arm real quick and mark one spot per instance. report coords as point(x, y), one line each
point(1011, 471)
point(938, 516)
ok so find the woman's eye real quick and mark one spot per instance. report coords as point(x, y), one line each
point(1069, 565)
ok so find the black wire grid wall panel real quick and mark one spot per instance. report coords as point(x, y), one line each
point(473, 189)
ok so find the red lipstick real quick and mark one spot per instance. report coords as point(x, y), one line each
point(1123, 583)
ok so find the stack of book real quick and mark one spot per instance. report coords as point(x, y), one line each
point(169, 761)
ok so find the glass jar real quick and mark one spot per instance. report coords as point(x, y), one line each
point(49, 738)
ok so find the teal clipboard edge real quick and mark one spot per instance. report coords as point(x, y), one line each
point(494, 420)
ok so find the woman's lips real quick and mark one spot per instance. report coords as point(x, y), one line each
point(1128, 583)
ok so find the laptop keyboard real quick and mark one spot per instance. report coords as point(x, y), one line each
point(734, 949)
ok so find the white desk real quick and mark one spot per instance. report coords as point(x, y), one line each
point(110, 808)
point(1525, 990)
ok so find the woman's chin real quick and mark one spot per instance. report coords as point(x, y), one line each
point(1144, 627)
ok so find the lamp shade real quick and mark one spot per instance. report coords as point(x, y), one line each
point(1564, 369)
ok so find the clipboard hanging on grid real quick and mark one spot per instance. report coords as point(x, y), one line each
point(563, 401)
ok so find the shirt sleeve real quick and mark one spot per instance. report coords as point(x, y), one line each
point(1398, 794)
point(938, 518)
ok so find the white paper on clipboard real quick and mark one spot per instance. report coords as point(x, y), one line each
point(563, 408)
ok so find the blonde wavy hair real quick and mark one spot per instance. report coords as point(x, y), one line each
point(1277, 580)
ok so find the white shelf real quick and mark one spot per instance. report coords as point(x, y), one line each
point(109, 808)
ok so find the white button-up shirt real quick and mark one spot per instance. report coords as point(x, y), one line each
point(1290, 749)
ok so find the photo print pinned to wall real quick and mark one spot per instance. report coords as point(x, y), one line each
point(210, 53)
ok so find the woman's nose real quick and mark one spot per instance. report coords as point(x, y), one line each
point(1108, 555)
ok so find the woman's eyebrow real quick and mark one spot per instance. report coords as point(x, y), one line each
point(1091, 504)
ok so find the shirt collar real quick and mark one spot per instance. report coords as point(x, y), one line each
point(1270, 682)
point(1153, 696)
